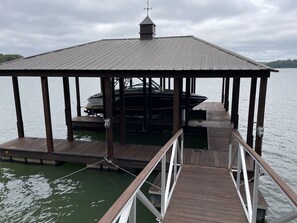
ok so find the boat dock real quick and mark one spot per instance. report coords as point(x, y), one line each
point(29, 149)
point(204, 179)
point(195, 183)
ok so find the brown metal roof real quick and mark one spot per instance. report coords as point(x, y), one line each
point(185, 53)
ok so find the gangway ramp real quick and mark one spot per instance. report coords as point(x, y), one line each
point(204, 194)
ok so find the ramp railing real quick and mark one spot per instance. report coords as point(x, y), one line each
point(124, 209)
point(249, 201)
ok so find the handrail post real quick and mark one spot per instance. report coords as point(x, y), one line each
point(163, 186)
point(238, 170)
point(255, 192)
point(132, 216)
point(175, 162)
point(230, 156)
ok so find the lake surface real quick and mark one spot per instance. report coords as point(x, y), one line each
point(31, 193)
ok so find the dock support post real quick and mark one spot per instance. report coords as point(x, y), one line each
point(123, 119)
point(68, 116)
point(188, 86)
point(261, 112)
point(47, 114)
point(102, 85)
point(226, 99)
point(18, 107)
point(150, 104)
point(108, 108)
point(235, 101)
point(78, 105)
point(144, 104)
point(223, 90)
point(250, 137)
point(113, 96)
point(177, 104)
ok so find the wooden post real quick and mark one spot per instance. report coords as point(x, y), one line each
point(226, 100)
point(108, 108)
point(188, 86)
point(102, 85)
point(144, 104)
point(18, 107)
point(223, 90)
point(113, 96)
point(68, 116)
point(78, 105)
point(150, 111)
point(235, 101)
point(47, 114)
point(193, 85)
point(123, 118)
point(261, 112)
point(169, 84)
point(250, 137)
point(176, 105)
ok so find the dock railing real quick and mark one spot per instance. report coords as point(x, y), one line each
point(250, 201)
point(124, 209)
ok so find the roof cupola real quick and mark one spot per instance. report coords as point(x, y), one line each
point(147, 27)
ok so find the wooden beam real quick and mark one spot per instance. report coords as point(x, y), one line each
point(226, 99)
point(108, 108)
point(123, 118)
point(47, 114)
point(261, 112)
point(18, 107)
point(235, 102)
point(78, 105)
point(176, 105)
point(67, 101)
point(250, 127)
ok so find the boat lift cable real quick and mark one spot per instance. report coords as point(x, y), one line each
point(75, 172)
point(126, 171)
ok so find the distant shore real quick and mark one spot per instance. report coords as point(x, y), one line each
point(282, 64)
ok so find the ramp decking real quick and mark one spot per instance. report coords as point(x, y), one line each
point(204, 194)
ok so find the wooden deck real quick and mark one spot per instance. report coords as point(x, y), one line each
point(204, 194)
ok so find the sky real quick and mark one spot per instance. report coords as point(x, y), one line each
point(263, 30)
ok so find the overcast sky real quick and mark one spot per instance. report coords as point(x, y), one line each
point(263, 30)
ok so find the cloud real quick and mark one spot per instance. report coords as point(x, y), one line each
point(260, 29)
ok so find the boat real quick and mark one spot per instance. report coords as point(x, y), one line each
point(160, 101)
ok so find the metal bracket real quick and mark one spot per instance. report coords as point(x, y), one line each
point(260, 131)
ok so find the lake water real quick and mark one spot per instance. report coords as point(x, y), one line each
point(31, 193)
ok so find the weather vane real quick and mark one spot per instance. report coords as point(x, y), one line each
point(148, 8)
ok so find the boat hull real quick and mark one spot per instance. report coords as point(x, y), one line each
point(159, 103)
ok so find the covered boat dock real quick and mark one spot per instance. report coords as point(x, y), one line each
point(183, 59)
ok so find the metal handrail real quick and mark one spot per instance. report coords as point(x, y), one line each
point(125, 207)
point(259, 164)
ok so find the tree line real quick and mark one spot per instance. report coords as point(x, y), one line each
point(8, 57)
point(282, 64)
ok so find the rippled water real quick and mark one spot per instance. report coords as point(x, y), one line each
point(29, 193)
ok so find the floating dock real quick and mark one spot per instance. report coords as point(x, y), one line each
point(204, 178)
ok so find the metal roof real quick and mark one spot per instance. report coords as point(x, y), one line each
point(185, 53)
point(147, 21)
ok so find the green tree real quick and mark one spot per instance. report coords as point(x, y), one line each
point(8, 57)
